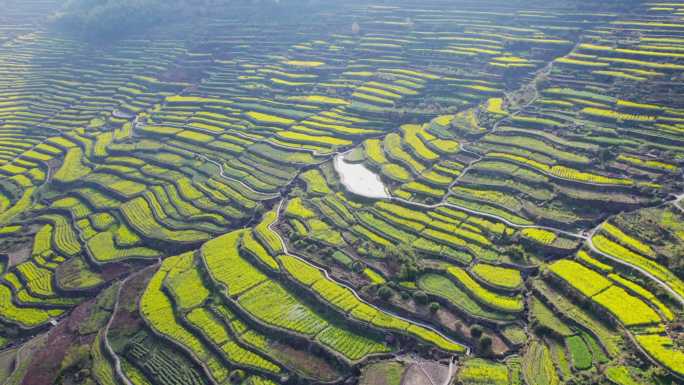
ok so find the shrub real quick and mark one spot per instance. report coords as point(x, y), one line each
point(385, 293)
point(358, 266)
point(476, 331)
point(485, 344)
point(237, 376)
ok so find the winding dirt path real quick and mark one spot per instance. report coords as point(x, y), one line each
point(491, 216)
point(451, 373)
point(427, 375)
point(648, 275)
point(117, 362)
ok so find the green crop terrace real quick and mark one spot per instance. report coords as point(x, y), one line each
point(175, 205)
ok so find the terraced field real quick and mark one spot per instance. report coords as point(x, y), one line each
point(478, 192)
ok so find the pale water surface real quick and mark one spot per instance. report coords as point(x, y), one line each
point(358, 179)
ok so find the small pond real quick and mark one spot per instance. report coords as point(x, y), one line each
point(358, 179)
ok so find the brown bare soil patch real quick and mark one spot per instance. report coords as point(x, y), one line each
point(19, 254)
point(7, 359)
point(305, 362)
point(46, 363)
point(383, 373)
point(437, 372)
point(415, 376)
point(127, 320)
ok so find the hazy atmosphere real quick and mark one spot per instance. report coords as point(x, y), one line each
point(322, 192)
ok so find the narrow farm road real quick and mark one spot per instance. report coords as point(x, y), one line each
point(137, 125)
point(487, 215)
point(224, 176)
point(650, 276)
point(586, 238)
point(110, 351)
point(451, 373)
point(427, 375)
point(117, 362)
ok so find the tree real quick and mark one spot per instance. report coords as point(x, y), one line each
point(385, 293)
point(434, 307)
point(605, 155)
point(237, 376)
point(476, 331)
point(485, 344)
point(405, 257)
point(516, 253)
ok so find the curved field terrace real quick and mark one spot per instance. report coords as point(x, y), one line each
point(344, 193)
